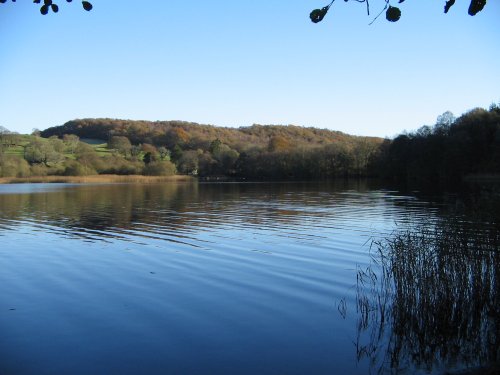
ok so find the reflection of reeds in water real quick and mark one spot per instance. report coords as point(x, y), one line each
point(431, 298)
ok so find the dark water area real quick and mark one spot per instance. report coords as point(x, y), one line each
point(231, 278)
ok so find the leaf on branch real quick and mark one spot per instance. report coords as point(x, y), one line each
point(36, 1)
point(317, 15)
point(47, 2)
point(448, 5)
point(393, 14)
point(44, 9)
point(55, 8)
point(87, 6)
point(476, 6)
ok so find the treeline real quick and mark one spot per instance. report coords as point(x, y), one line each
point(195, 136)
point(257, 152)
point(445, 152)
point(32, 155)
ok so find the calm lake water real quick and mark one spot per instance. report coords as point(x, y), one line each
point(188, 278)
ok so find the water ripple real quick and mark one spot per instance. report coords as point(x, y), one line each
point(155, 271)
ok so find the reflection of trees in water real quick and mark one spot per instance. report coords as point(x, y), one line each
point(431, 299)
point(105, 210)
point(86, 208)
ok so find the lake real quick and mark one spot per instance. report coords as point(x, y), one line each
point(187, 278)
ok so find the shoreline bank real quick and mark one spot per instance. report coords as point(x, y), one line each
point(96, 179)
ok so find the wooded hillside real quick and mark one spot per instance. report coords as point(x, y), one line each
point(446, 152)
point(192, 135)
point(257, 151)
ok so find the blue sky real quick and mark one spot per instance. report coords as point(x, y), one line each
point(236, 63)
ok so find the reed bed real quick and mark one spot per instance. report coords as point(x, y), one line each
point(431, 298)
point(97, 179)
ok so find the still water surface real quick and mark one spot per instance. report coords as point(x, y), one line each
point(187, 278)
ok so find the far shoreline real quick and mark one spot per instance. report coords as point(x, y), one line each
point(96, 179)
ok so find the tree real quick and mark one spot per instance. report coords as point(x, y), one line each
point(444, 123)
point(215, 146)
point(178, 136)
point(121, 144)
point(71, 141)
point(49, 5)
point(75, 168)
point(279, 144)
point(164, 153)
point(393, 13)
point(150, 157)
point(4, 137)
point(41, 151)
point(160, 168)
point(88, 157)
point(135, 150)
point(176, 153)
point(363, 149)
point(57, 144)
point(188, 162)
point(448, 151)
point(13, 166)
point(8, 138)
point(222, 158)
point(146, 147)
point(446, 119)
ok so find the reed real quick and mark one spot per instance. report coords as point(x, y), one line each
point(97, 179)
point(430, 299)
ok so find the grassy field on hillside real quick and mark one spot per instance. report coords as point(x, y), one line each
point(99, 145)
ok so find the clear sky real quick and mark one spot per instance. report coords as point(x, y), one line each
point(236, 63)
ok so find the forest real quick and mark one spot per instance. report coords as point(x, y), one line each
point(448, 151)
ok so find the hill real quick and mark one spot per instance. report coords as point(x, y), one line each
point(191, 135)
point(452, 150)
point(257, 151)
